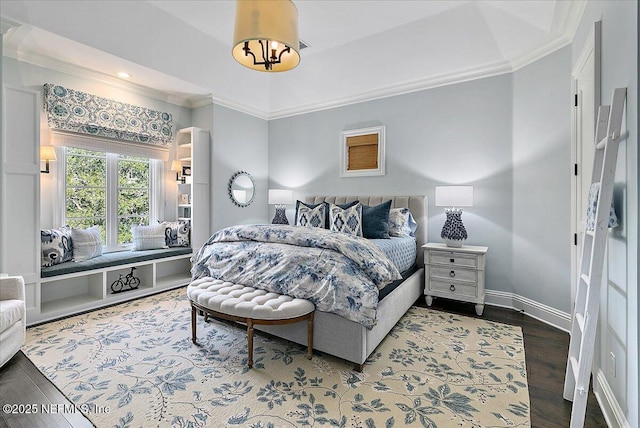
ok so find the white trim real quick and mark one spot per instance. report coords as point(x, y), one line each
point(473, 73)
point(344, 152)
point(592, 46)
point(539, 52)
point(546, 314)
point(110, 145)
point(611, 410)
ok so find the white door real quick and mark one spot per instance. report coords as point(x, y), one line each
point(586, 83)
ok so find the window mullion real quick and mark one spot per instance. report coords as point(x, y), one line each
point(112, 200)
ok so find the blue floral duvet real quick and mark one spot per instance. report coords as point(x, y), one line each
point(339, 273)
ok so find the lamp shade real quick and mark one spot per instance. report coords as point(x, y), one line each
point(260, 23)
point(47, 153)
point(454, 196)
point(280, 197)
point(176, 166)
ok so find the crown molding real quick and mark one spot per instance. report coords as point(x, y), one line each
point(539, 52)
point(473, 73)
point(7, 24)
point(183, 100)
point(242, 108)
point(572, 18)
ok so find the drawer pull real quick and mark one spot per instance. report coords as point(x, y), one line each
point(452, 274)
point(452, 260)
point(452, 287)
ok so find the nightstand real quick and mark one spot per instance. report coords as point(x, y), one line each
point(455, 273)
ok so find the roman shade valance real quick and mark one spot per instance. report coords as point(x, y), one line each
point(88, 121)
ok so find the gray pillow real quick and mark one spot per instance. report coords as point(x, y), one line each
point(55, 246)
point(87, 243)
point(148, 237)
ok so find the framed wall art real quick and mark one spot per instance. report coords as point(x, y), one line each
point(362, 152)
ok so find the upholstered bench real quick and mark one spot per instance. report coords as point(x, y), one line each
point(248, 305)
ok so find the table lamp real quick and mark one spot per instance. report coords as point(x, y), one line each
point(280, 198)
point(453, 232)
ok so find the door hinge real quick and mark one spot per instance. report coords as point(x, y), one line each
point(575, 169)
point(575, 100)
point(575, 239)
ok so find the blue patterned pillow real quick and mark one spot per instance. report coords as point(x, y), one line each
point(401, 222)
point(311, 215)
point(348, 220)
point(56, 246)
point(176, 233)
point(375, 221)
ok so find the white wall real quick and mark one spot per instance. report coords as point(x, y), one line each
point(541, 232)
point(240, 143)
point(618, 322)
point(459, 134)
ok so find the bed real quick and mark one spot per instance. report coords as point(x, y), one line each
point(332, 332)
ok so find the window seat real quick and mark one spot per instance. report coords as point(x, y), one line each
point(111, 259)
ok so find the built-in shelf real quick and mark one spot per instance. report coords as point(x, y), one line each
point(64, 295)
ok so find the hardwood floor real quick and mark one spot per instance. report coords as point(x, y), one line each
point(545, 350)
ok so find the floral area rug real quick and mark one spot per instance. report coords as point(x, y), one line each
point(134, 365)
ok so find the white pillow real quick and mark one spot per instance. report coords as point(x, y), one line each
point(87, 243)
point(148, 237)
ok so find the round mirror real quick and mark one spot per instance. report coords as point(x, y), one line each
point(242, 189)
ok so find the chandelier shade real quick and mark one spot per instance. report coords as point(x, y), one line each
point(265, 35)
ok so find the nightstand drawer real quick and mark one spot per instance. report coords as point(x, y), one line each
point(453, 288)
point(453, 273)
point(452, 258)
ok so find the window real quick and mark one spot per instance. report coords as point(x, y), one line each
point(108, 190)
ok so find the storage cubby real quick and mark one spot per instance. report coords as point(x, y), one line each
point(66, 293)
point(172, 272)
point(73, 293)
point(143, 272)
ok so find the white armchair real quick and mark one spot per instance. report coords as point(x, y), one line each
point(13, 323)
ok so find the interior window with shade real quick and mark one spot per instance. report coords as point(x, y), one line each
point(363, 152)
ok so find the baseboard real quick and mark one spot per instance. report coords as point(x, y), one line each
point(611, 410)
point(546, 314)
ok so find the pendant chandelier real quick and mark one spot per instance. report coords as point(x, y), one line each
point(266, 35)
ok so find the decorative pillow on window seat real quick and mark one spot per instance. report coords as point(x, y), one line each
point(87, 243)
point(176, 233)
point(348, 220)
point(148, 237)
point(55, 246)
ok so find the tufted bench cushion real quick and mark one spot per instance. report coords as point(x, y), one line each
point(235, 302)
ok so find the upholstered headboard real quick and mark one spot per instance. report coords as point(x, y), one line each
point(417, 205)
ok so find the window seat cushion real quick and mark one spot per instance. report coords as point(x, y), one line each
point(111, 259)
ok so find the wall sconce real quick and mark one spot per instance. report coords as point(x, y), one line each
point(176, 166)
point(47, 154)
point(280, 198)
point(453, 232)
point(265, 36)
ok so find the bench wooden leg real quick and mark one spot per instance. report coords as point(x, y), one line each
point(250, 342)
point(193, 324)
point(310, 337)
